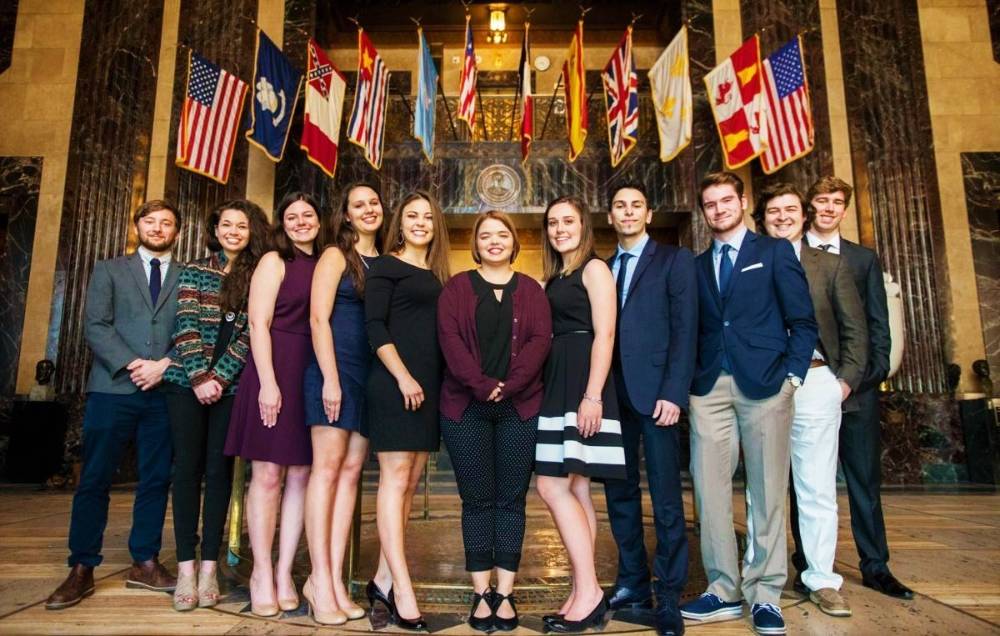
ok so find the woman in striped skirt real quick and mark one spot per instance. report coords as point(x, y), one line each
point(579, 434)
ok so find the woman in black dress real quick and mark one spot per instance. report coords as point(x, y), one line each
point(579, 434)
point(401, 296)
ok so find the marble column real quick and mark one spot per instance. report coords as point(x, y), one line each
point(108, 162)
point(8, 25)
point(778, 21)
point(20, 178)
point(224, 32)
point(895, 175)
point(982, 199)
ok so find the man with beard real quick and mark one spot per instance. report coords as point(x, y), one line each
point(129, 315)
point(756, 335)
point(653, 364)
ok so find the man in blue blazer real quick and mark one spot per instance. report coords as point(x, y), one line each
point(653, 364)
point(756, 335)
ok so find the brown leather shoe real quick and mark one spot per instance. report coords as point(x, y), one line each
point(150, 575)
point(830, 602)
point(77, 586)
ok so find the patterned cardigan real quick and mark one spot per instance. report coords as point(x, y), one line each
point(197, 329)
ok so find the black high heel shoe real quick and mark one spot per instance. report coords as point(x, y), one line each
point(504, 624)
point(596, 619)
point(485, 623)
point(375, 594)
point(417, 624)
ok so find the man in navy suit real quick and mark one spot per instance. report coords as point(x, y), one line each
point(653, 364)
point(756, 335)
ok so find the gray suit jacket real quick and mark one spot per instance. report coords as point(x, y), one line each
point(843, 326)
point(121, 322)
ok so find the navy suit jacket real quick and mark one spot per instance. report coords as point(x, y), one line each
point(657, 327)
point(764, 321)
point(867, 273)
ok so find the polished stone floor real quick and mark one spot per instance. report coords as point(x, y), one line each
point(945, 545)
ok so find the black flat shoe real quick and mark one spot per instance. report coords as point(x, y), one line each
point(887, 584)
point(374, 594)
point(483, 623)
point(417, 624)
point(596, 619)
point(505, 624)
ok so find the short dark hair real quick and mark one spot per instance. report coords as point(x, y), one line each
point(508, 223)
point(773, 191)
point(631, 185)
point(723, 177)
point(828, 185)
point(155, 205)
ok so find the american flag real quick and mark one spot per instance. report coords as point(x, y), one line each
point(367, 125)
point(621, 98)
point(788, 115)
point(467, 82)
point(527, 99)
point(210, 119)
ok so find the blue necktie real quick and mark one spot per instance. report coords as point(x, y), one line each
point(620, 281)
point(725, 269)
point(154, 279)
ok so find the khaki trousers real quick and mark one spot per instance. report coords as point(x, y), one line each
point(721, 422)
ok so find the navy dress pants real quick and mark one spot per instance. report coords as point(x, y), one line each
point(624, 498)
point(110, 421)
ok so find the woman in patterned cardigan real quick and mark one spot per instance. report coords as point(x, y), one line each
point(211, 341)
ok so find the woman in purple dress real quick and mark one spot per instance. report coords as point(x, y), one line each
point(268, 425)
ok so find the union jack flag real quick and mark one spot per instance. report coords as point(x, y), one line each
point(467, 82)
point(621, 99)
point(367, 125)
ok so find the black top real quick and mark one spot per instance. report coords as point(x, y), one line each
point(494, 324)
point(401, 309)
point(570, 303)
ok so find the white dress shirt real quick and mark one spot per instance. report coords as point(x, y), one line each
point(146, 256)
point(735, 243)
point(815, 241)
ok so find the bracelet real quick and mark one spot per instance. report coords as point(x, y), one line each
point(590, 398)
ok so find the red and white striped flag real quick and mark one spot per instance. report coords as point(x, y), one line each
point(210, 119)
point(788, 116)
point(325, 88)
point(467, 82)
point(367, 125)
point(527, 99)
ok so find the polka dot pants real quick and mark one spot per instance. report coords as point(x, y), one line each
point(492, 450)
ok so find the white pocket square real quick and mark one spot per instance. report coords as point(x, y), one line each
point(754, 266)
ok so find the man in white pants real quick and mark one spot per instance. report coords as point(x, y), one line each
point(837, 367)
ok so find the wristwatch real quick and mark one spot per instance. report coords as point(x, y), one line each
point(795, 380)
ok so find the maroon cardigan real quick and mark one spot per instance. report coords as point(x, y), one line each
point(531, 336)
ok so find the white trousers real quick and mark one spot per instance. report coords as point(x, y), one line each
point(815, 438)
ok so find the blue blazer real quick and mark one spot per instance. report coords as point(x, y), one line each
point(657, 327)
point(764, 322)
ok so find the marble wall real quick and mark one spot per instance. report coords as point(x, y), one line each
point(982, 199)
point(20, 179)
point(993, 6)
point(894, 176)
point(107, 164)
point(8, 26)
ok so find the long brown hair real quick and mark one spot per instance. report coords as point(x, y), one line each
point(236, 284)
point(279, 238)
point(344, 236)
point(552, 261)
point(437, 253)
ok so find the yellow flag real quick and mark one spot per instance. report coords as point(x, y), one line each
point(575, 85)
point(670, 82)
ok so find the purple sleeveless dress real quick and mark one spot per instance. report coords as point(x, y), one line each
point(287, 443)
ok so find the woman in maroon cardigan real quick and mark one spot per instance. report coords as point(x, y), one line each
point(495, 330)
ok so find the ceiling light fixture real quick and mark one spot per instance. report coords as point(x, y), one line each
point(498, 24)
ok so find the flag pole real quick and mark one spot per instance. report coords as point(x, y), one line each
point(447, 108)
point(549, 111)
point(513, 112)
point(482, 113)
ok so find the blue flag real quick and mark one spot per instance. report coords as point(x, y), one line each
point(276, 85)
point(423, 122)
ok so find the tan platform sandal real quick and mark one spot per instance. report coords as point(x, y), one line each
point(208, 590)
point(186, 592)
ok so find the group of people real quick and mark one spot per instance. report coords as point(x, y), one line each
point(301, 345)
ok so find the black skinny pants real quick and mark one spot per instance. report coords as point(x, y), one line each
point(199, 434)
point(492, 450)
